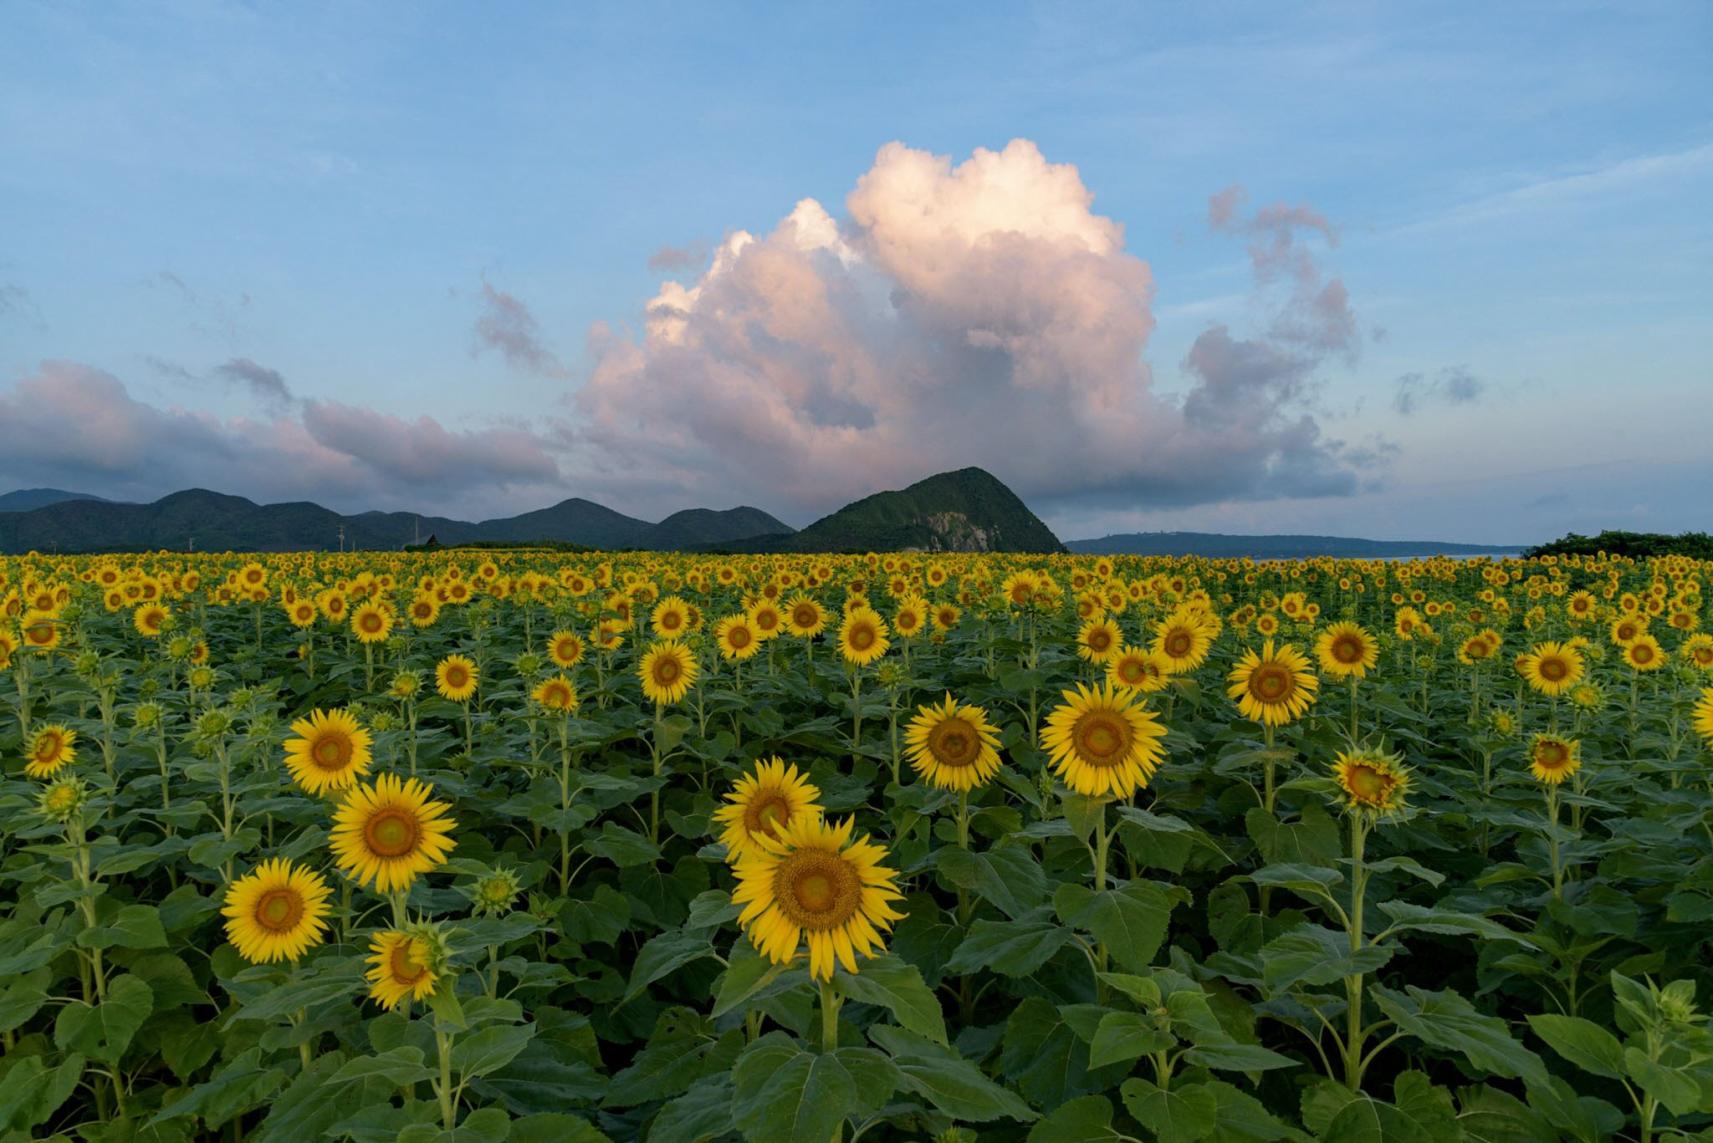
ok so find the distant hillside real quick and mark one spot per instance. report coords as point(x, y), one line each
point(1219, 546)
point(211, 521)
point(25, 499)
point(963, 511)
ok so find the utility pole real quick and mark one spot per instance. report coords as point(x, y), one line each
point(341, 539)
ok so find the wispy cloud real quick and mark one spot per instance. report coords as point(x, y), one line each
point(508, 325)
point(1546, 192)
point(1453, 385)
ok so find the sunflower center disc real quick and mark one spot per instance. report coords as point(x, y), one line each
point(331, 753)
point(666, 672)
point(954, 743)
point(391, 834)
point(1101, 739)
point(767, 815)
point(1347, 651)
point(1552, 670)
point(1271, 684)
point(405, 968)
point(1178, 645)
point(279, 910)
point(862, 638)
point(816, 889)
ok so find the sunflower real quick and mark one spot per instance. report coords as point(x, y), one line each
point(1372, 782)
point(424, 610)
point(767, 619)
point(1644, 653)
point(1551, 668)
point(40, 630)
point(455, 678)
point(556, 695)
point(813, 885)
point(1553, 759)
point(862, 637)
point(911, 618)
point(1702, 716)
point(1346, 651)
point(737, 638)
point(671, 618)
point(953, 745)
point(150, 619)
point(946, 616)
point(402, 965)
point(371, 623)
point(762, 804)
point(277, 911)
point(1184, 639)
point(1626, 629)
point(804, 617)
point(1103, 741)
point(51, 750)
point(389, 832)
point(1099, 640)
point(667, 670)
point(1138, 669)
point(330, 752)
point(565, 648)
point(1698, 650)
point(1273, 687)
point(1580, 606)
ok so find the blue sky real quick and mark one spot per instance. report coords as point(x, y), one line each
point(253, 246)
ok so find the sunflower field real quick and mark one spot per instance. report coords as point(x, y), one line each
point(525, 846)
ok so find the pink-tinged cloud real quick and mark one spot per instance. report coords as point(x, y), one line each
point(75, 426)
point(972, 313)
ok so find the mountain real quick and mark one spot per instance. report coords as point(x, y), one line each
point(963, 511)
point(703, 527)
point(25, 499)
point(210, 521)
point(1220, 546)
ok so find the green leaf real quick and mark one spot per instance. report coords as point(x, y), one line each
point(1180, 1114)
point(1314, 840)
point(748, 975)
point(104, 1031)
point(1407, 917)
point(1368, 1120)
point(1311, 954)
point(1312, 881)
point(1235, 1057)
point(1407, 865)
point(700, 1114)
point(399, 1067)
point(783, 1094)
point(1240, 1116)
point(1677, 1088)
point(889, 983)
point(947, 1080)
point(134, 927)
point(623, 847)
point(1124, 1036)
point(1013, 948)
point(1045, 1058)
point(243, 1083)
point(1446, 1020)
point(30, 1091)
point(1009, 877)
point(554, 1127)
point(491, 1049)
point(664, 954)
point(1084, 1120)
point(1582, 1042)
point(1131, 921)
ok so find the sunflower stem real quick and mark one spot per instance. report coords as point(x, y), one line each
point(448, 1109)
point(831, 1002)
